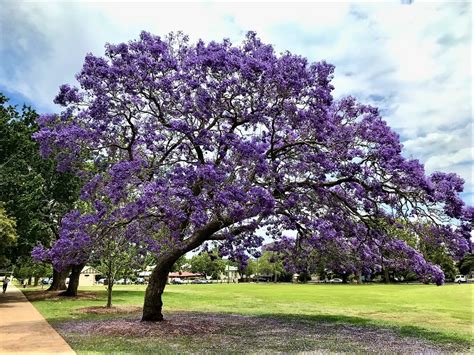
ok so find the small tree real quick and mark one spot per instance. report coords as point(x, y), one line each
point(117, 257)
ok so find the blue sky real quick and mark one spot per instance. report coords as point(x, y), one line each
point(411, 60)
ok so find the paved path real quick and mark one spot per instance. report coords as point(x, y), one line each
point(23, 330)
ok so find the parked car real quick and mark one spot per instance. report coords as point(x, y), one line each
point(261, 279)
point(140, 281)
point(45, 281)
point(200, 281)
point(102, 281)
point(460, 278)
point(177, 281)
point(335, 281)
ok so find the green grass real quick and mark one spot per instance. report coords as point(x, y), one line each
point(441, 314)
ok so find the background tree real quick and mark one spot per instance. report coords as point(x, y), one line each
point(34, 193)
point(268, 264)
point(466, 265)
point(182, 264)
point(27, 268)
point(8, 235)
point(212, 141)
point(248, 270)
point(208, 263)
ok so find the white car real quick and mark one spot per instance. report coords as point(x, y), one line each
point(335, 281)
point(460, 278)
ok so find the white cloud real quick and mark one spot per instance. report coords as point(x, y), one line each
point(413, 61)
point(442, 161)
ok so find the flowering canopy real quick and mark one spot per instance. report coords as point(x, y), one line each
point(185, 143)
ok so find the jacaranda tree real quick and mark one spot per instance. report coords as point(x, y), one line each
point(182, 144)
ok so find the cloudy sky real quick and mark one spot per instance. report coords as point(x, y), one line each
point(410, 58)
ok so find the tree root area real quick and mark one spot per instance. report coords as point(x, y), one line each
point(42, 295)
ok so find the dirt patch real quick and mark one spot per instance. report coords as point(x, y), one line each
point(215, 332)
point(41, 295)
point(111, 310)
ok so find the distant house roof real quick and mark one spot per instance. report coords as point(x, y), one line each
point(184, 274)
point(90, 270)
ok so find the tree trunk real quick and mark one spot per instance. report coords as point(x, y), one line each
point(59, 280)
point(358, 276)
point(344, 278)
point(73, 281)
point(110, 285)
point(36, 281)
point(386, 276)
point(153, 303)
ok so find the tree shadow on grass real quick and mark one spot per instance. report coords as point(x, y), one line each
point(252, 332)
point(402, 330)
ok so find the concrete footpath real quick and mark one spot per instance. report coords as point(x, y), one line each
point(23, 330)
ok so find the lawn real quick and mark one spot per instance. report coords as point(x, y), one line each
point(435, 314)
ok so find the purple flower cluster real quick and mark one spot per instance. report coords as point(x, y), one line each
point(181, 143)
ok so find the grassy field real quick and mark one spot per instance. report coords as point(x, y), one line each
point(438, 314)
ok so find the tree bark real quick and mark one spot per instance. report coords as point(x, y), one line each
point(153, 303)
point(152, 307)
point(59, 280)
point(110, 285)
point(73, 281)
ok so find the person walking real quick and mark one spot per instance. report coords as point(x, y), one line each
point(6, 280)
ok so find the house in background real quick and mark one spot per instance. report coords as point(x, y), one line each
point(184, 276)
point(88, 276)
point(230, 274)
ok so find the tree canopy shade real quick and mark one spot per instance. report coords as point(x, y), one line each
point(184, 143)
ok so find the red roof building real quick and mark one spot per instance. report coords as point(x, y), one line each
point(185, 275)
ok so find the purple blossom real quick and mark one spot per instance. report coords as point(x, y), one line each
point(180, 144)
